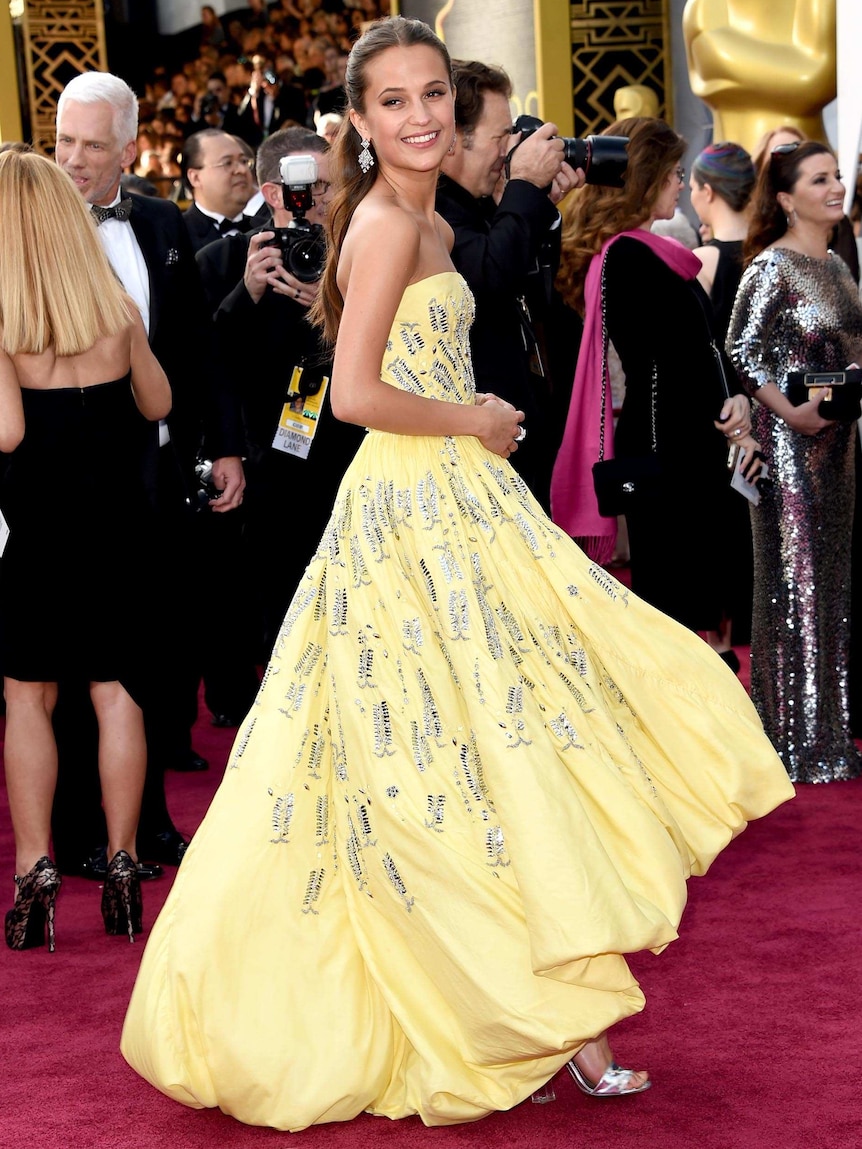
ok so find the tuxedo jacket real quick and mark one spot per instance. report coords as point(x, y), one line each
point(202, 228)
point(496, 249)
point(205, 405)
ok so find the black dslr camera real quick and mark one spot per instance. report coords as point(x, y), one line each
point(303, 246)
point(603, 158)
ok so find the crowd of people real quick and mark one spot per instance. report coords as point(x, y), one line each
point(364, 398)
point(265, 67)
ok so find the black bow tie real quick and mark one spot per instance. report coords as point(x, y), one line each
point(120, 211)
point(228, 225)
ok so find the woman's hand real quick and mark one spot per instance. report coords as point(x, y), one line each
point(752, 458)
point(489, 396)
point(503, 426)
point(734, 420)
point(806, 418)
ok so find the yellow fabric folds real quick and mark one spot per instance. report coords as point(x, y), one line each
point(478, 772)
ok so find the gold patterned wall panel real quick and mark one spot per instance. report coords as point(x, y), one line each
point(60, 40)
point(615, 44)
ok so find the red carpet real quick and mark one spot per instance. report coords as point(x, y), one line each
point(751, 1030)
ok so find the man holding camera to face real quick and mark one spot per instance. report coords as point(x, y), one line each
point(259, 287)
point(501, 222)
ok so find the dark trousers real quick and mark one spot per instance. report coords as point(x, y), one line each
point(224, 590)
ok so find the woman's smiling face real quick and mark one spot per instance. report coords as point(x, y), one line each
point(409, 107)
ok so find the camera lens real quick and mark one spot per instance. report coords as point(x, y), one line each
point(608, 160)
point(305, 258)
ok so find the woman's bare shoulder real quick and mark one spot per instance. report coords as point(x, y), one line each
point(382, 235)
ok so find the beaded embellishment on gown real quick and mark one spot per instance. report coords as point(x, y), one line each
point(477, 773)
point(795, 313)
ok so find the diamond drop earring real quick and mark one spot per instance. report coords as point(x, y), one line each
point(366, 159)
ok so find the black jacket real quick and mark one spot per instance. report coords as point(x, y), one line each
point(496, 250)
point(260, 343)
point(205, 403)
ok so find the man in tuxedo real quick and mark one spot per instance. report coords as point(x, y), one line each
point(218, 167)
point(501, 225)
point(220, 176)
point(260, 313)
point(148, 246)
point(269, 104)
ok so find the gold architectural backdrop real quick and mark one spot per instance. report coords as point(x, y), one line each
point(616, 43)
point(60, 40)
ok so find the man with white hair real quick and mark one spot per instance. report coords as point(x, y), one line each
point(148, 246)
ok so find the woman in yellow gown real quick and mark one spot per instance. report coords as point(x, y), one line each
point(478, 771)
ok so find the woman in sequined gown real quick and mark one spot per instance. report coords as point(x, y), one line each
point(798, 309)
point(478, 771)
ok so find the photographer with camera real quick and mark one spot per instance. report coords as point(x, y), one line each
point(213, 107)
point(259, 287)
point(269, 104)
point(501, 224)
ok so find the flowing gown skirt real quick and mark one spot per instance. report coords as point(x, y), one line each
point(478, 772)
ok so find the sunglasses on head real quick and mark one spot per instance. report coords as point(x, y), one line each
point(785, 149)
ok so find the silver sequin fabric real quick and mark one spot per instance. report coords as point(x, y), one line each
point(796, 313)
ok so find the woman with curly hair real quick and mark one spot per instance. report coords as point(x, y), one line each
point(640, 292)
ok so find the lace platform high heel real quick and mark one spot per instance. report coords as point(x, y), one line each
point(34, 907)
point(122, 908)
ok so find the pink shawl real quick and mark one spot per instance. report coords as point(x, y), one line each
point(573, 497)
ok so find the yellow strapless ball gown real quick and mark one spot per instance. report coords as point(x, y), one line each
point(478, 772)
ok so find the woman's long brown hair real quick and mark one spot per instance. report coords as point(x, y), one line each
point(594, 213)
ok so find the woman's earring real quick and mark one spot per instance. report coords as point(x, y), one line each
point(791, 218)
point(451, 149)
point(366, 159)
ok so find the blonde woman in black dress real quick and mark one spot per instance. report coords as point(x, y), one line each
point(78, 385)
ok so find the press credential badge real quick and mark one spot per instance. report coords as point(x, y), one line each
point(298, 422)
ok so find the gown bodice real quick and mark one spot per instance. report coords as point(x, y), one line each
point(428, 349)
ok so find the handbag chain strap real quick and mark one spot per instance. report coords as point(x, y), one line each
point(713, 346)
point(653, 377)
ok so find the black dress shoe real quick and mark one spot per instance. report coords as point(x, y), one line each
point(189, 763)
point(96, 867)
point(225, 720)
point(167, 847)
